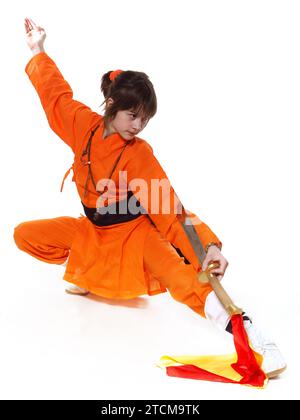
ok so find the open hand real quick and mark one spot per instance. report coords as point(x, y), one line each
point(35, 35)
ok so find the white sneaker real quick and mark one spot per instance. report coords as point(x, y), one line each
point(273, 363)
point(76, 290)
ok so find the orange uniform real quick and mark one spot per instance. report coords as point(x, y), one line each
point(119, 259)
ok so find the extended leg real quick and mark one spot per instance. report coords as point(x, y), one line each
point(163, 262)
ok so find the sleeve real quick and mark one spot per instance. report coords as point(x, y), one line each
point(158, 198)
point(68, 118)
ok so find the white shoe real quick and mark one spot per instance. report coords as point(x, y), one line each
point(76, 290)
point(273, 363)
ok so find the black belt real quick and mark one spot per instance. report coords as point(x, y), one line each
point(113, 214)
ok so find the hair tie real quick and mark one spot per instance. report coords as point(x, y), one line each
point(114, 74)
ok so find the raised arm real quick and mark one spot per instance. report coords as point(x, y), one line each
point(68, 118)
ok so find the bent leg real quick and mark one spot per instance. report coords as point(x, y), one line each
point(48, 240)
point(163, 262)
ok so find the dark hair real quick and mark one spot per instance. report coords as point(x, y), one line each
point(130, 90)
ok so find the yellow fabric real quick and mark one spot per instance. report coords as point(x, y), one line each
point(219, 365)
point(216, 364)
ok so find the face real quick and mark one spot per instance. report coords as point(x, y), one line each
point(127, 124)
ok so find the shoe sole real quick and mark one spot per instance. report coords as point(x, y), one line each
point(275, 373)
point(77, 293)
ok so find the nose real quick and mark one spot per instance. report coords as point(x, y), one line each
point(137, 124)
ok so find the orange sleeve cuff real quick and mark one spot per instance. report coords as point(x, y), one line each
point(35, 60)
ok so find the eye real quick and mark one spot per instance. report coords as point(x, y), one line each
point(145, 120)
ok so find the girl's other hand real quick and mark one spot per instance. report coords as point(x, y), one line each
point(35, 36)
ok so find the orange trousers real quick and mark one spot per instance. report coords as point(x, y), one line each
point(50, 240)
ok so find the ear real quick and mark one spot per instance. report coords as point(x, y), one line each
point(109, 102)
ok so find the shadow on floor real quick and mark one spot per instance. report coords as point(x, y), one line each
point(138, 302)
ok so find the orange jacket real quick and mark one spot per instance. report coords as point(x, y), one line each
point(73, 121)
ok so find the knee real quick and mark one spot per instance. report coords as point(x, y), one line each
point(20, 234)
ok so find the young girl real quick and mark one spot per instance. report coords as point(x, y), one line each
point(131, 241)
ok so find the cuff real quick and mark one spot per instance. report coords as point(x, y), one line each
point(218, 244)
point(35, 60)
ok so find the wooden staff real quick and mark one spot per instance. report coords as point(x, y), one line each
point(206, 276)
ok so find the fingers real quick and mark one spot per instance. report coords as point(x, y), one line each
point(218, 271)
point(221, 268)
point(30, 25)
point(209, 260)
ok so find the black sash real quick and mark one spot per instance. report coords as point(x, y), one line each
point(113, 214)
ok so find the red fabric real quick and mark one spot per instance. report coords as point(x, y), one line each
point(246, 365)
point(194, 372)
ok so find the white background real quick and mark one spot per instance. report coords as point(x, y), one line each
point(226, 74)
